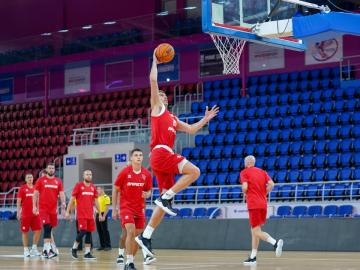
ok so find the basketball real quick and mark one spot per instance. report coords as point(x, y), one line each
point(164, 52)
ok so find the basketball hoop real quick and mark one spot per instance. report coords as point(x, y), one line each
point(230, 49)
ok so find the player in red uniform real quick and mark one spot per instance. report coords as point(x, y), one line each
point(164, 162)
point(47, 190)
point(86, 197)
point(134, 183)
point(27, 218)
point(256, 184)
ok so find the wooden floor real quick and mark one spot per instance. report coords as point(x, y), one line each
point(11, 258)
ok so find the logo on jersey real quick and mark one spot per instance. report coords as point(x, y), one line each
point(88, 193)
point(172, 129)
point(133, 184)
point(82, 188)
point(143, 177)
point(129, 175)
point(51, 186)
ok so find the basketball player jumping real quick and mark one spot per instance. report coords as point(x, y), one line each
point(164, 162)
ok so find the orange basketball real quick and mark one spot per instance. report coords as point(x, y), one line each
point(164, 52)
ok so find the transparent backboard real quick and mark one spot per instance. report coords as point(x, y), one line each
point(263, 21)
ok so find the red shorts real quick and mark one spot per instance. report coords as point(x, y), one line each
point(165, 165)
point(49, 218)
point(33, 222)
point(127, 217)
point(257, 217)
point(86, 224)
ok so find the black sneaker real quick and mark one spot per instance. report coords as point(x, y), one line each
point(278, 247)
point(250, 261)
point(120, 259)
point(51, 254)
point(129, 266)
point(107, 248)
point(145, 244)
point(44, 254)
point(100, 248)
point(166, 205)
point(89, 256)
point(149, 260)
point(74, 253)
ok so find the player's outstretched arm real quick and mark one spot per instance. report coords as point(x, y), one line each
point(192, 129)
point(155, 100)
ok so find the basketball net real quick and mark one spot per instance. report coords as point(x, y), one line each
point(230, 50)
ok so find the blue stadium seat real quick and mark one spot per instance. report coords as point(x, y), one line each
point(232, 104)
point(233, 126)
point(186, 152)
point(320, 133)
point(217, 152)
point(219, 139)
point(327, 191)
point(206, 152)
point(308, 162)
point(224, 165)
point(264, 124)
point(312, 191)
point(283, 211)
point(227, 151)
point(332, 175)
point(202, 194)
point(213, 194)
point(320, 161)
point(199, 140)
point(236, 165)
point(235, 92)
point(296, 148)
point(308, 133)
point(346, 210)
point(320, 175)
point(339, 191)
point(331, 210)
point(260, 149)
point(274, 193)
point(238, 151)
point(200, 212)
point(321, 147)
point(346, 160)
point(185, 213)
point(355, 191)
point(270, 163)
point(225, 194)
point(307, 176)
point(189, 195)
point(213, 165)
point(309, 147)
point(222, 127)
point(195, 153)
point(254, 124)
point(148, 213)
point(236, 194)
point(299, 211)
point(300, 192)
point(239, 115)
point(230, 139)
point(234, 178)
point(314, 210)
point(222, 179)
point(294, 176)
point(295, 162)
point(284, 148)
point(210, 179)
point(280, 177)
point(321, 120)
point(203, 164)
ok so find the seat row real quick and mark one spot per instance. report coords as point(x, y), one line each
point(286, 211)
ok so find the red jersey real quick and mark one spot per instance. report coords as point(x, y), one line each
point(163, 129)
point(49, 190)
point(256, 193)
point(26, 195)
point(131, 186)
point(85, 196)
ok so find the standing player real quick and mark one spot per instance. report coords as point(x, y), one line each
point(164, 162)
point(27, 218)
point(47, 190)
point(86, 197)
point(256, 184)
point(134, 184)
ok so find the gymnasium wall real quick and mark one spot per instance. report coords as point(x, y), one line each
point(139, 54)
point(322, 234)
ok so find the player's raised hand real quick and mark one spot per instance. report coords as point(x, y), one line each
point(155, 58)
point(210, 114)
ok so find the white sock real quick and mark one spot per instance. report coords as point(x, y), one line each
point(148, 232)
point(121, 251)
point(129, 259)
point(87, 250)
point(76, 244)
point(47, 247)
point(144, 253)
point(26, 249)
point(253, 253)
point(168, 195)
point(271, 240)
point(34, 247)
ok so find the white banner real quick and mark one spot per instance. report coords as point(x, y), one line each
point(262, 57)
point(77, 80)
point(326, 51)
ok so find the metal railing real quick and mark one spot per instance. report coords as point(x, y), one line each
point(223, 194)
point(349, 66)
point(111, 133)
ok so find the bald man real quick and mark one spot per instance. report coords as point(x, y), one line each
point(256, 184)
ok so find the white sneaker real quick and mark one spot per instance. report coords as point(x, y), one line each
point(279, 247)
point(54, 248)
point(149, 260)
point(26, 253)
point(35, 252)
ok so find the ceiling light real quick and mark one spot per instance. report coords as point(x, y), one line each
point(46, 34)
point(87, 27)
point(164, 13)
point(188, 8)
point(63, 31)
point(109, 22)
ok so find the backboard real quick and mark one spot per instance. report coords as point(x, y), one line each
point(262, 21)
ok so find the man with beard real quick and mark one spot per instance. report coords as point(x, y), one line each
point(47, 190)
point(86, 197)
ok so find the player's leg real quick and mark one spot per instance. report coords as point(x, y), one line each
point(47, 252)
point(190, 173)
point(54, 223)
point(90, 227)
point(130, 245)
point(25, 240)
point(277, 244)
point(120, 258)
point(147, 258)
